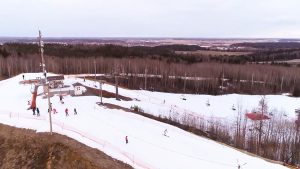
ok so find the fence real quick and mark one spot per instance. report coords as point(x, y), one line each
point(104, 144)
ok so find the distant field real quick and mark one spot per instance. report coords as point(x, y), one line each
point(213, 53)
point(294, 61)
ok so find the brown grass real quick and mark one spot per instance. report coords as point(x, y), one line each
point(26, 149)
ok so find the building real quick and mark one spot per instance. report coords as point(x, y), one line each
point(56, 81)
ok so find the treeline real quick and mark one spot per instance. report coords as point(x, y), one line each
point(275, 55)
point(269, 45)
point(164, 52)
point(276, 139)
point(81, 50)
point(209, 77)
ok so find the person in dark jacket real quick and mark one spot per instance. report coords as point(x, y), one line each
point(75, 111)
point(67, 112)
point(37, 111)
point(33, 110)
point(126, 139)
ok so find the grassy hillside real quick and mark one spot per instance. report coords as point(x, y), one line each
point(22, 148)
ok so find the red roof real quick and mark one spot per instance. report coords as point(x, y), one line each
point(257, 116)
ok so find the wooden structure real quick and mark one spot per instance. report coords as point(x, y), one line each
point(79, 90)
point(56, 81)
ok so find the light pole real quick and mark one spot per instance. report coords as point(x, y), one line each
point(46, 85)
point(101, 82)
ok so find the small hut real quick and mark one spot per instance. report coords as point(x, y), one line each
point(56, 81)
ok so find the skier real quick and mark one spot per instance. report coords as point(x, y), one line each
point(233, 108)
point(66, 111)
point(33, 110)
point(166, 132)
point(126, 139)
point(23, 77)
point(75, 111)
point(37, 111)
point(54, 111)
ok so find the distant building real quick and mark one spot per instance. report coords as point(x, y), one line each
point(56, 81)
point(79, 90)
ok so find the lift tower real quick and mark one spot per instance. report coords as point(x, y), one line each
point(46, 83)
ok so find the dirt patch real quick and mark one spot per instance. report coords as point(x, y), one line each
point(22, 148)
point(164, 120)
point(96, 92)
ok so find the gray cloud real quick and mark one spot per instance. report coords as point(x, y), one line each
point(155, 18)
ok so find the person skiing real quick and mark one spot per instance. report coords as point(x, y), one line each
point(126, 139)
point(75, 111)
point(37, 111)
point(67, 112)
point(23, 77)
point(166, 132)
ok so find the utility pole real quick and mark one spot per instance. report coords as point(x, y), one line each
point(46, 85)
point(101, 82)
point(146, 78)
point(184, 83)
point(222, 81)
point(117, 89)
point(297, 137)
point(116, 83)
point(252, 80)
point(281, 84)
point(95, 68)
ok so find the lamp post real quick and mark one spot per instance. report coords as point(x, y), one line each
point(101, 82)
point(46, 84)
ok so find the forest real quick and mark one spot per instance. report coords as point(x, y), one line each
point(161, 68)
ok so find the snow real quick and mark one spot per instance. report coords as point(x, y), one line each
point(105, 129)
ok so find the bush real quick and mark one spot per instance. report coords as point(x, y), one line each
point(137, 109)
point(296, 91)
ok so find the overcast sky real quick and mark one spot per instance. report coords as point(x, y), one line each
point(151, 18)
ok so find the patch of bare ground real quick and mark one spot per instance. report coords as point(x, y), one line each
point(96, 92)
point(26, 149)
point(162, 119)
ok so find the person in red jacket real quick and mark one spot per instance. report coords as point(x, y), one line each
point(67, 112)
point(126, 139)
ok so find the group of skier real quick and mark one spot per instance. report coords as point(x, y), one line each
point(36, 111)
point(67, 111)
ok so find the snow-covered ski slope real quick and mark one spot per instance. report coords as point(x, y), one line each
point(105, 129)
